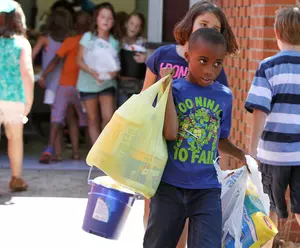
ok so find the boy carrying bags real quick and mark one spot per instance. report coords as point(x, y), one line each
point(197, 124)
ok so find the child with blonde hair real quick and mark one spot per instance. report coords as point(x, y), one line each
point(274, 101)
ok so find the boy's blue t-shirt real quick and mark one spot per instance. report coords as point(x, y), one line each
point(167, 56)
point(204, 115)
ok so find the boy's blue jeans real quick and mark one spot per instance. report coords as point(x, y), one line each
point(169, 209)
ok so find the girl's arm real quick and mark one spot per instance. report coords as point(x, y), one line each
point(83, 66)
point(227, 147)
point(258, 123)
point(150, 79)
point(41, 42)
point(171, 120)
point(27, 75)
point(52, 65)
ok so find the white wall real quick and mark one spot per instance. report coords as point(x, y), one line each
point(193, 1)
point(155, 20)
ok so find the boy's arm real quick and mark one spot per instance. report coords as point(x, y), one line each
point(226, 146)
point(171, 120)
point(258, 123)
point(259, 102)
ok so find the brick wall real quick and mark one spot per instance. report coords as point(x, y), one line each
point(252, 22)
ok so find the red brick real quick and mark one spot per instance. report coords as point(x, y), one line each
point(246, 21)
point(270, 44)
point(270, 10)
point(238, 21)
point(248, 11)
point(247, 32)
point(253, 64)
point(234, 3)
point(257, 44)
point(235, 11)
point(261, 32)
point(262, 22)
point(248, 130)
point(241, 32)
point(240, 75)
point(247, 52)
point(255, 2)
point(247, 3)
point(229, 12)
point(242, 11)
point(244, 64)
point(241, 105)
point(257, 55)
point(282, 2)
point(269, 21)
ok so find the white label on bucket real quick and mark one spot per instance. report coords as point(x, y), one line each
point(101, 211)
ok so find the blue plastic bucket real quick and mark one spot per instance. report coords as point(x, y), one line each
point(107, 211)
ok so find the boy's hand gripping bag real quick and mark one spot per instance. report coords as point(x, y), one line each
point(245, 208)
point(131, 149)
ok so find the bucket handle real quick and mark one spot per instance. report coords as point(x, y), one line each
point(135, 195)
point(89, 175)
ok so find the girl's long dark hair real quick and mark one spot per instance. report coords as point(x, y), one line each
point(184, 28)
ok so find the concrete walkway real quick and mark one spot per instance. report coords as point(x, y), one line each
point(50, 213)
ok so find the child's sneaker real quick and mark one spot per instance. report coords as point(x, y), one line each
point(17, 184)
point(47, 155)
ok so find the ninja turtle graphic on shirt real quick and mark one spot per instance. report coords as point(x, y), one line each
point(199, 128)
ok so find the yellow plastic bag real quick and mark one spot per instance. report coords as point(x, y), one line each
point(131, 149)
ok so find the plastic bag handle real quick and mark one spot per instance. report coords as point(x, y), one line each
point(156, 89)
point(161, 93)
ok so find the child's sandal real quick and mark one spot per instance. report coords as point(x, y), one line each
point(17, 184)
point(47, 155)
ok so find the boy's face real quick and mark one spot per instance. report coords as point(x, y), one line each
point(205, 62)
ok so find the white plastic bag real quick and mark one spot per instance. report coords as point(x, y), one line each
point(102, 58)
point(234, 184)
point(255, 177)
point(245, 207)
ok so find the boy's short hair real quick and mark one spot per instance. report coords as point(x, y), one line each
point(287, 24)
point(209, 35)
